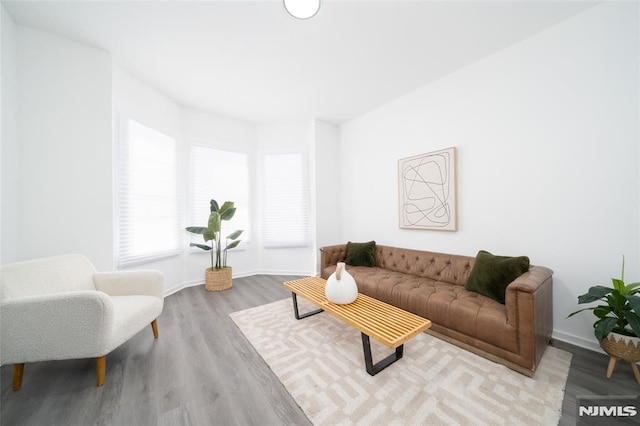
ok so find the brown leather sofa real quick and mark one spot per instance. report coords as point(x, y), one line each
point(432, 285)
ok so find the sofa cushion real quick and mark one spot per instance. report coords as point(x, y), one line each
point(449, 268)
point(361, 254)
point(447, 305)
point(131, 314)
point(492, 274)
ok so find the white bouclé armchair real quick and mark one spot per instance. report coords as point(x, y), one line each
point(59, 307)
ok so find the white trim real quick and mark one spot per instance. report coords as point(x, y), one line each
point(192, 283)
point(282, 272)
point(592, 345)
point(176, 288)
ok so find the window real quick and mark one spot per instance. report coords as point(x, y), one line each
point(223, 176)
point(285, 216)
point(147, 200)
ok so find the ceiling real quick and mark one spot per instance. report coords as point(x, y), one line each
point(250, 60)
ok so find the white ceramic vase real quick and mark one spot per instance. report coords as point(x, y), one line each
point(341, 288)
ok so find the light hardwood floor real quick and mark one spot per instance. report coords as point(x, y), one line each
point(202, 371)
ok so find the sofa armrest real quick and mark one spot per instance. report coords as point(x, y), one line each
point(130, 283)
point(527, 284)
point(531, 280)
point(331, 255)
point(529, 303)
point(55, 326)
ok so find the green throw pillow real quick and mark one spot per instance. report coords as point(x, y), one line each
point(361, 254)
point(491, 274)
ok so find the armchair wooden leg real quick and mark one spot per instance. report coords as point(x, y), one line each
point(101, 368)
point(18, 369)
point(154, 327)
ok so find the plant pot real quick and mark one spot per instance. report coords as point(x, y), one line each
point(218, 279)
point(621, 347)
point(626, 348)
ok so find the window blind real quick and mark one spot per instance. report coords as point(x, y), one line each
point(223, 176)
point(285, 208)
point(147, 195)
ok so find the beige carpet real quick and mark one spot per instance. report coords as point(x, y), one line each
point(320, 362)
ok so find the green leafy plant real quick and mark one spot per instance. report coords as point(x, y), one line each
point(213, 233)
point(620, 312)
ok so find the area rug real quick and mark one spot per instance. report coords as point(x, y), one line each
point(319, 360)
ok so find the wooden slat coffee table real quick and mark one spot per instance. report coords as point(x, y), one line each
point(387, 324)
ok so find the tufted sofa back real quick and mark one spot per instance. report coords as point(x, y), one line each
point(57, 274)
point(449, 268)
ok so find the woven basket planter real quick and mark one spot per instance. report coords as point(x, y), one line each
point(218, 279)
point(626, 348)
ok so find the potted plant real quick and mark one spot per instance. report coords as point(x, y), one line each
point(617, 325)
point(218, 276)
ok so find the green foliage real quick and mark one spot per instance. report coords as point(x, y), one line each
point(212, 232)
point(620, 312)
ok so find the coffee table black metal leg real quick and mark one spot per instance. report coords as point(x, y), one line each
point(372, 368)
point(295, 308)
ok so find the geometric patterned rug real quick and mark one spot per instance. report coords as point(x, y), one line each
point(319, 360)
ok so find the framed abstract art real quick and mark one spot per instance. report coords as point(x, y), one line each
point(427, 191)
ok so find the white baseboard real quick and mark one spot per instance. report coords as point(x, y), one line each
point(176, 288)
point(246, 274)
point(577, 341)
point(290, 273)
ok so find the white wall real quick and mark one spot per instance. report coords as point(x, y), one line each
point(546, 130)
point(137, 100)
point(328, 186)
point(230, 135)
point(64, 137)
point(59, 162)
point(145, 104)
point(9, 143)
point(276, 138)
point(548, 147)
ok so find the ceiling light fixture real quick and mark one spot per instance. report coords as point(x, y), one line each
point(302, 9)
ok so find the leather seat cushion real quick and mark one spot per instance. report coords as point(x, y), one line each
point(448, 305)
